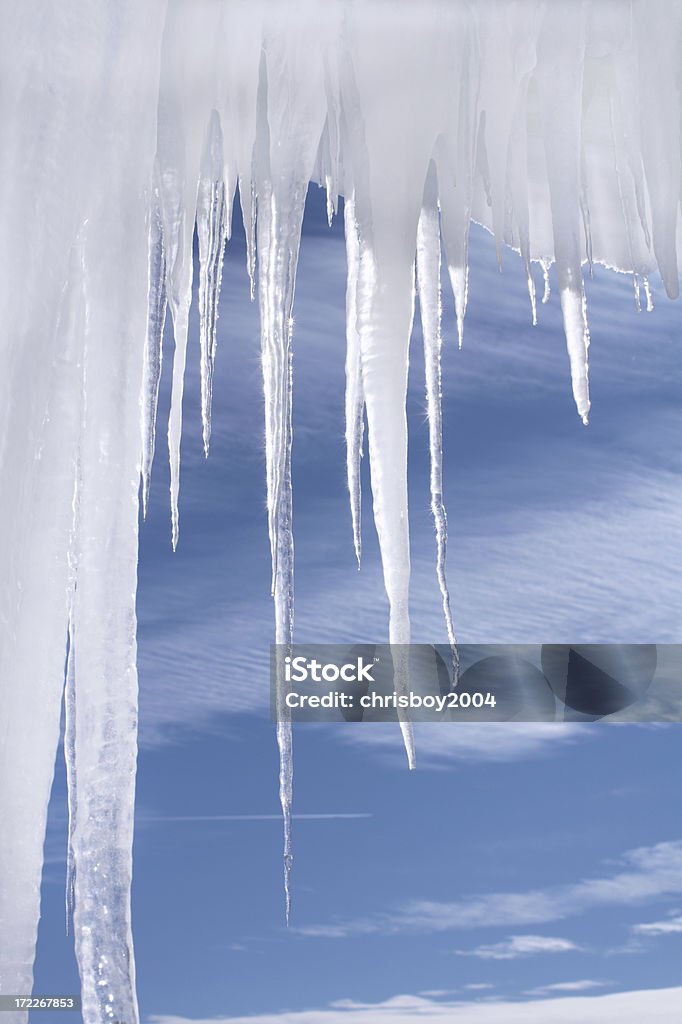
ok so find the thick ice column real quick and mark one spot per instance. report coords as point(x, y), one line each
point(291, 117)
point(105, 532)
point(40, 385)
point(103, 631)
point(36, 514)
point(81, 244)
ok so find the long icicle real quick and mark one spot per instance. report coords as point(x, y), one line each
point(153, 350)
point(70, 761)
point(180, 309)
point(278, 243)
point(386, 299)
point(430, 307)
point(213, 218)
point(355, 399)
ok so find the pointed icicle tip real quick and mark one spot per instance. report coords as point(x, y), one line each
point(460, 332)
point(533, 300)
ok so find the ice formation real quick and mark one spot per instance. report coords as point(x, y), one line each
point(128, 126)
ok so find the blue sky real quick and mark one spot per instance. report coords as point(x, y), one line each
point(519, 864)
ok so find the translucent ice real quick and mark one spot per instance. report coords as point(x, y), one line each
point(128, 127)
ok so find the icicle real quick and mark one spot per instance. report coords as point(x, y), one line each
point(574, 310)
point(283, 164)
point(385, 312)
point(286, 799)
point(507, 96)
point(484, 170)
point(518, 90)
point(388, 180)
point(660, 143)
point(70, 676)
point(532, 296)
point(561, 82)
point(587, 227)
point(459, 279)
point(103, 649)
point(428, 286)
point(455, 157)
point(547, 291)
point(180, 325)
point(355, 402)
point(639, 197)
point(326, 174)
point(213, 217)
point(619, 138)
point(247, 201)
point(70, 760)
point(179, 198)
point(518, 185)
point(153, 351)
point(278, 241)
point(333, 136)
point(186, 102)
point(649, 297)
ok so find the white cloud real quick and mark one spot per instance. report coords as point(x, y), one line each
point(566, 986)
point(520, 946)
point(439, 993)
point(652, 1006)
point(439, 745)
point(162, 819)
point(673, 926)
point(648, 872)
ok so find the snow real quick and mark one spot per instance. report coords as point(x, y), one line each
point(126, 126)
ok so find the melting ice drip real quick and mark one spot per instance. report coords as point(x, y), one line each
point(128, 126)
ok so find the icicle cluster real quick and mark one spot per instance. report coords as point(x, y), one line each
point(126, 128)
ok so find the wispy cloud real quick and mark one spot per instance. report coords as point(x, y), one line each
point(584, 985)
point(647, 872)
point(560, 534)
point(439, 745)
point(653, 1006)
point(521, 946)
point(671, 926)
point(163, 819)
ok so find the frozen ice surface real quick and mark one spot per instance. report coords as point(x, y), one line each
point(128, 127)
